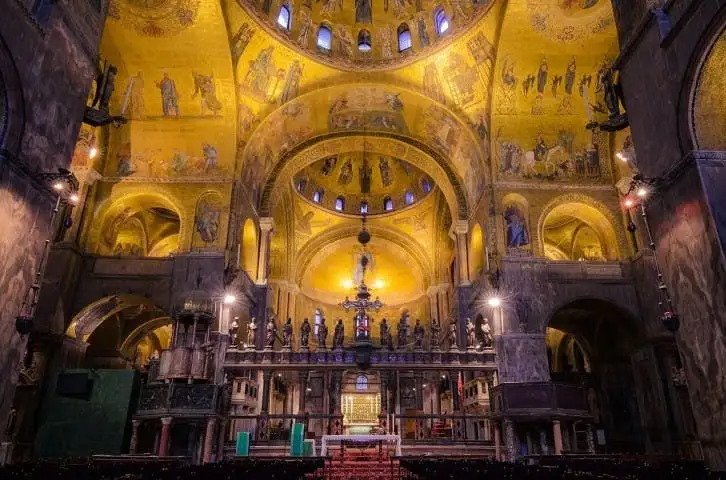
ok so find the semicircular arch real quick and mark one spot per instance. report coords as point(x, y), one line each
point(89, 318)
point(416, 153)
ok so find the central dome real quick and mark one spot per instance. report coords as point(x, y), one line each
point(356, 181)
point(366, 33)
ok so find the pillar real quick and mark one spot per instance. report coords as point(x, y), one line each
point(165, 434)
point(134, 436)
point(454, 382)
point(460, 232)
point(209, 440)
point(543, 442)
point(557, 433)
point(497, 442)
point(510, 440)
point(267, 226)
point(433, 293)
point(418, 383)
point(266, 378)
point(303, 374)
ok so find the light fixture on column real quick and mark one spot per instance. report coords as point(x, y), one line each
point(65, 186)
point(640, 190)
point(494, 302)
point(229, 299)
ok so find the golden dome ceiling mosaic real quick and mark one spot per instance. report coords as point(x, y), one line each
point(366, 34)
point(362, 183)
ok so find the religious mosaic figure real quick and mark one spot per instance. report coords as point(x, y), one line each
point(423, 34)
point(133, 102)
point(322, 334)
point(287, 334)
point(453, 345)
point(240, 41)
point(305, 329)
point(435, 334)
point(364, 177)
point(306, 27)
point(210, 156)
point(486, 334)
point(386, 42)
point(385, 169)
point(516, 228)
point(470, 335)
point(204, 86)
point(292, 82)
point(338, 334)
point(343, 41)
point(233, 329)
point(207, 220)
point(418, 334)
point(432, 83)
point(346, 173)
point(251, 331)
point(169, 96)
point(385, 333)
point(270, 333)
point(363, 11)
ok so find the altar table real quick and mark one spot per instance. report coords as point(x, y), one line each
point(389, 439)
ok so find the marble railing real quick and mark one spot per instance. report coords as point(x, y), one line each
point(112, 266)
point(348, 357)
point(177, 398)
point(578, 271)
point(527, 398)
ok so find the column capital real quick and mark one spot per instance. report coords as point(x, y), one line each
point(166, 420)
point(458, 227)
point(432, 290)
point(211, 421)
point(267, 224)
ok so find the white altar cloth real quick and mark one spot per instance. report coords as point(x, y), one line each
point(389, 439)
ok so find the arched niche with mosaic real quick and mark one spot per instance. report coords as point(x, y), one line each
point(517, 233)
point(208, 221)
point(576, 227)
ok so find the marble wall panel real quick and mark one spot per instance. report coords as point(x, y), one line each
point(522, 358)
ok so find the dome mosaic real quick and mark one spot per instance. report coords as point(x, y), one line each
point(363, 34)
point(362, 183)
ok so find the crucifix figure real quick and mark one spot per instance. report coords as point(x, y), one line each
point(361, 305)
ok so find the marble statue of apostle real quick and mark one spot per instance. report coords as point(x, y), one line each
point(418, 334)
point(384, 329)
point(322, 333)
point(305, 329)
point(452, 335)
point(270, 333)
point(435, 333)
point(470, 334)
point(486, 334)
point(402, 332)
point(251, 331)
point(233, 329)
point(287, 334)
point(338, 334)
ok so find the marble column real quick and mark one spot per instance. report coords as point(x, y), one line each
point(497, 442)
point(165, 434)
point(266, 379)
point(557, 433)
point(303, 376)
point(432, 293)
point(267, 226)
point(459, 233)
point(209, 440)
point(543, 442)
point(590, 439)
point(418, 383)
point(454, 383)
point(510, 440)
point(133, 444)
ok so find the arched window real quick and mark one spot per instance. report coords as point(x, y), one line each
point(404, 38)
point(409, 197)
point(363, 207)
point(339, 204)
point(387, 204)
point(440, 21)
point(425, 185)
point(318, 320)
point(361, 383)
point(364, 41)
point(325, 36)
point(317, 196)
point(284, 17)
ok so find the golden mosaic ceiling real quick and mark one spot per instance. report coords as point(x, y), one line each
point(341, 182)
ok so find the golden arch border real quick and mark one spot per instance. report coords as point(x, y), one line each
point(406, 148)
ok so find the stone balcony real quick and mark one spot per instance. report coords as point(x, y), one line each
point(539, 400)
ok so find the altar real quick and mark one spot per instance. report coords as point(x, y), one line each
point(379, 440)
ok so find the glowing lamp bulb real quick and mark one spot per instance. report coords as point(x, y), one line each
point(57, 186)
point(629, 203)
point(642, 192)
point(92, 152)
point(347, 283)
point(378, 284)
point(621, 156)
point(74, 198)
point(495, 302)
point(229, 299)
